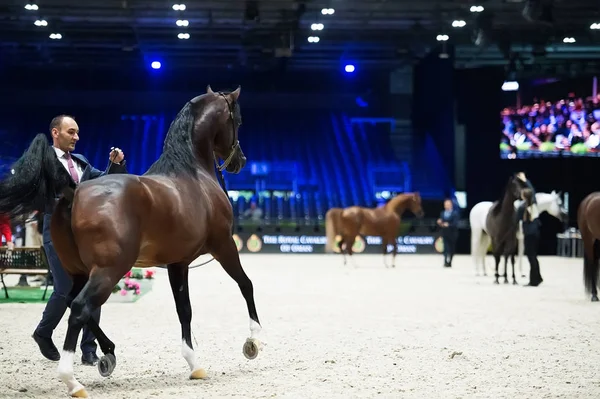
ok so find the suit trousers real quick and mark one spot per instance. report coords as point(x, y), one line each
point(57, 303)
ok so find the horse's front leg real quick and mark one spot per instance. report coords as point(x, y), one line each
point(178, 278)
point(512, 261)
point(225, 252)
point(497, 259)
point(506, 269)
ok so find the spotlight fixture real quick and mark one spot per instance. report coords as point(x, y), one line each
point(569, 40)
point(183, 36)
point(327, 11)
point(31, 7)
point(179, 7)
point(313, 39)
point(476, 9)
point(459, 23)
point(182, 22)
point(442, 38)
point(595, 26)
point(317, 26)
point(55, 36)
point(155, 65)
point(41, 22)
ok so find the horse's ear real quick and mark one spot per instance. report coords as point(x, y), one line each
point(235, 94)
point(209, 90)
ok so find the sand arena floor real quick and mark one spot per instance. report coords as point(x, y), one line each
point(417, 331)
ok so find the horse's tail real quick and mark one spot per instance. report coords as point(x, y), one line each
point(330, 229)
point(591, 267)
point(35, 181)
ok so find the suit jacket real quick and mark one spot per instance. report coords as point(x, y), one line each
point(452, 220)
point(89, 173)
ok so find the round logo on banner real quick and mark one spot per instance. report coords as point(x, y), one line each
point(254, 243)
point(439, 245)
point(239, 244)
point(359, 245)
point(336, 244)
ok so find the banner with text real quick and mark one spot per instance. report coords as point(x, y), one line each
point(309, 243)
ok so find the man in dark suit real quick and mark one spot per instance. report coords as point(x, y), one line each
point(448, 221)
point(65, 134)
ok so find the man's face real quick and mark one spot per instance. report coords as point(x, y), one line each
point(66, 136)
point(448, 205)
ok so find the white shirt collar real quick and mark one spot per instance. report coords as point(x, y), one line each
point(59, 153)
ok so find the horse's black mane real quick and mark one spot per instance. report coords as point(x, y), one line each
point(498, 206)
point(178, 156)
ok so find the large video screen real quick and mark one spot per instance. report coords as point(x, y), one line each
point(551, 118)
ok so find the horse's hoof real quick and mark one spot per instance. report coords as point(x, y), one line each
point(107, 365)
point(595, 298)
point(496, 282)
point(198, 374)
point(82, 393)
point(505, 281)
point(515, 282)
point(251, 348)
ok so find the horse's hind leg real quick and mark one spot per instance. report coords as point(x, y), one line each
point(225, 252)
point(178, 278)
point(506, 269)
point(94, 293)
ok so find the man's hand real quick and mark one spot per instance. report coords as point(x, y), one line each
point(116, 155)
point(439, 222)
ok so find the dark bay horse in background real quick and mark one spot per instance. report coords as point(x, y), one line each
point(383, 222)
point(588, 221)
point(502, 226)
point(172, 214)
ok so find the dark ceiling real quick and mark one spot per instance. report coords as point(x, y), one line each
point(273, 33)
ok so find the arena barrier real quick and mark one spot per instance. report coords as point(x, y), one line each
point(311, 242)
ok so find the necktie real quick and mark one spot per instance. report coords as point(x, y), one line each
point(72, 170)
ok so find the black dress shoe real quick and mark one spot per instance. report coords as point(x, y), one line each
point(89, 359)
point(46, 347)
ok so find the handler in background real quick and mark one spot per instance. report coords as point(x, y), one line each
point(448, 221)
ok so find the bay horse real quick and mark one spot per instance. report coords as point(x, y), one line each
point(383, 222)
point(172, 214)
point(588, 221)
point(501, 225)
point(480, 240)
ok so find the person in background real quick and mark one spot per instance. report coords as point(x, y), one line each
point(448, 221)
point(527, 215)
point(6, 232)
point(254, 212)
point(523, 178)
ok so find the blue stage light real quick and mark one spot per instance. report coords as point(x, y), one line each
point(349, 68)
point(155, 65)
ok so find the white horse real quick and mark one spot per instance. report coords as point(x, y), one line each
point(480, 240)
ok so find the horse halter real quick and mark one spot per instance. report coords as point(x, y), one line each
point(236, 144)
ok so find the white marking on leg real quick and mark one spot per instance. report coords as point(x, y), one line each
point(189, 355)
point(65, 372)
point(255, 329)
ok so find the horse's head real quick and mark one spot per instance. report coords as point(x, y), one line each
point(228, 119)
point(411, 201)
point(514, 187)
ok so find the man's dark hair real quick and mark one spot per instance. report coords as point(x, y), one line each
point(57, 121)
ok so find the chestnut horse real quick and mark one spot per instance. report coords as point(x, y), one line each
point(588, 221)
point(382, 221)
point(172, 214)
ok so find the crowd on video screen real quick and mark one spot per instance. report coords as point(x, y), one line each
point(571, 124)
